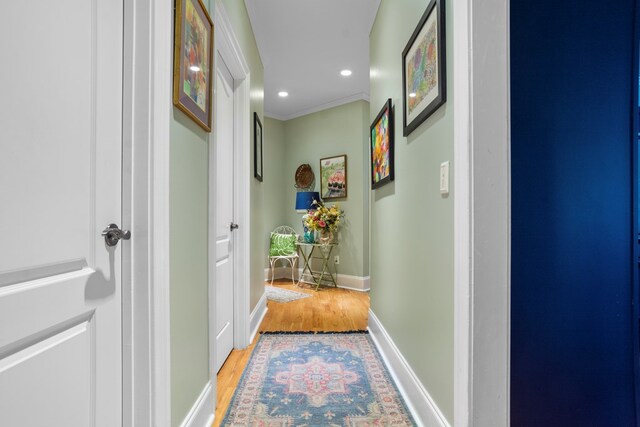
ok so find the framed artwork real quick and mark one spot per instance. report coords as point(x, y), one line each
point(424, 69)
point(192, 61)
point(257, 147)
point(381, 133)
point(333, 177)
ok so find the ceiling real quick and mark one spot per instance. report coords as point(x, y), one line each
point(304, 44)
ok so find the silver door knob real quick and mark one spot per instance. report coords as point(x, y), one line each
point(112, 235)
point(233, 226)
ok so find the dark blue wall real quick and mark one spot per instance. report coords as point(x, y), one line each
point(571, 312)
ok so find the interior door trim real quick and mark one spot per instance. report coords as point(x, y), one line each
point(228, 47)
point(145, 273)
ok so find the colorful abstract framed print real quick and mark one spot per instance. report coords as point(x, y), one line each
point(424, 69)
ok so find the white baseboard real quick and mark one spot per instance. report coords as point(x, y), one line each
point(420, 403)
point(280, 273)
point(346, 281)
point(258, 313)
point(355, 283)
point(203, 410)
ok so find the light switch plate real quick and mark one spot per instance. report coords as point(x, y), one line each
point(444, 177)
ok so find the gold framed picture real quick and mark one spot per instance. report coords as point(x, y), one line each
point(193, 61)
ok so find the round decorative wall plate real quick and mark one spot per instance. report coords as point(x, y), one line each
point(304, 176)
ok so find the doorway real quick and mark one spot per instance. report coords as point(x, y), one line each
point(224, 214)
point(233, 78)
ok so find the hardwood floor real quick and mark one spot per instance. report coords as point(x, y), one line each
point(329, 309)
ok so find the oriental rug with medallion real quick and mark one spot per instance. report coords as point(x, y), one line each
point(322, 379)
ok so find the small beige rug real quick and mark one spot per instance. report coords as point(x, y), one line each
point(283, 295)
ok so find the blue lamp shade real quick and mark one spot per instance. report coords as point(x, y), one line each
point(304, 200)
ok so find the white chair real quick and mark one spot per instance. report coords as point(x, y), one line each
point(291, 256)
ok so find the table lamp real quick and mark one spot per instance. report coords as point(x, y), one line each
point(304, 203)
point(304, 200)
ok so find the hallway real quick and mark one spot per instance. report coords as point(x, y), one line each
point(123, 171)
point(329, 310)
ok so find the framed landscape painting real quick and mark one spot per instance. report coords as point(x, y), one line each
point(381, 133)
point(333, 177)
point(424, 69)
point(192, 62)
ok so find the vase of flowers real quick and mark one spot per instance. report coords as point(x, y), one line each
point(308, 235)
point(325, 220)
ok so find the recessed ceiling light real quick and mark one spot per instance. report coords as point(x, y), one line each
point(194, 68)
point(283, 94)
point(412, 95)
point(345, 73)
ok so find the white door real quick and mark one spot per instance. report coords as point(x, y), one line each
point(224, 213)
point(60, 179)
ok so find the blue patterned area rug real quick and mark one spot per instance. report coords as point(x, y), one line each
point(324, 379)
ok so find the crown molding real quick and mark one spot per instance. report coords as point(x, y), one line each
point(362, 96)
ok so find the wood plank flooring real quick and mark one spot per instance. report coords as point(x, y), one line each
point(329, 309)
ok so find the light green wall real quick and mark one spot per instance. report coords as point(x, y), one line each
point(366, 193)
point(412, 237)
point(189, 198)
point(189, 233)
point(332, 132)
point(276, 181)
point(188, 245)
point(189, 268)
point(239, 18)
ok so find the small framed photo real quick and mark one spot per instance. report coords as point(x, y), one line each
point(192, 62)
point(381, 133)
point(333, 177)
point(424, 70)
point(257, 147)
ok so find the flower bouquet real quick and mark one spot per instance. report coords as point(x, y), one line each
point(325, 220)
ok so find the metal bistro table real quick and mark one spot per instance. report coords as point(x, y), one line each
point(323, 253)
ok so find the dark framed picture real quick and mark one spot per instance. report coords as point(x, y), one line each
point(424, 68)
point(257, 147)
point(192, 62)
point(333, 177)
point(381, 133)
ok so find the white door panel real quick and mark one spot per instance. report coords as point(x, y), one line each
point(60, 183)
point(224, 213)
point(43, 122)
point(50, 389)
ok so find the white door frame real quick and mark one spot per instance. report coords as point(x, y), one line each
point(148, 30)
point(145, 200)
point(482, 213)
point(227, 45)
